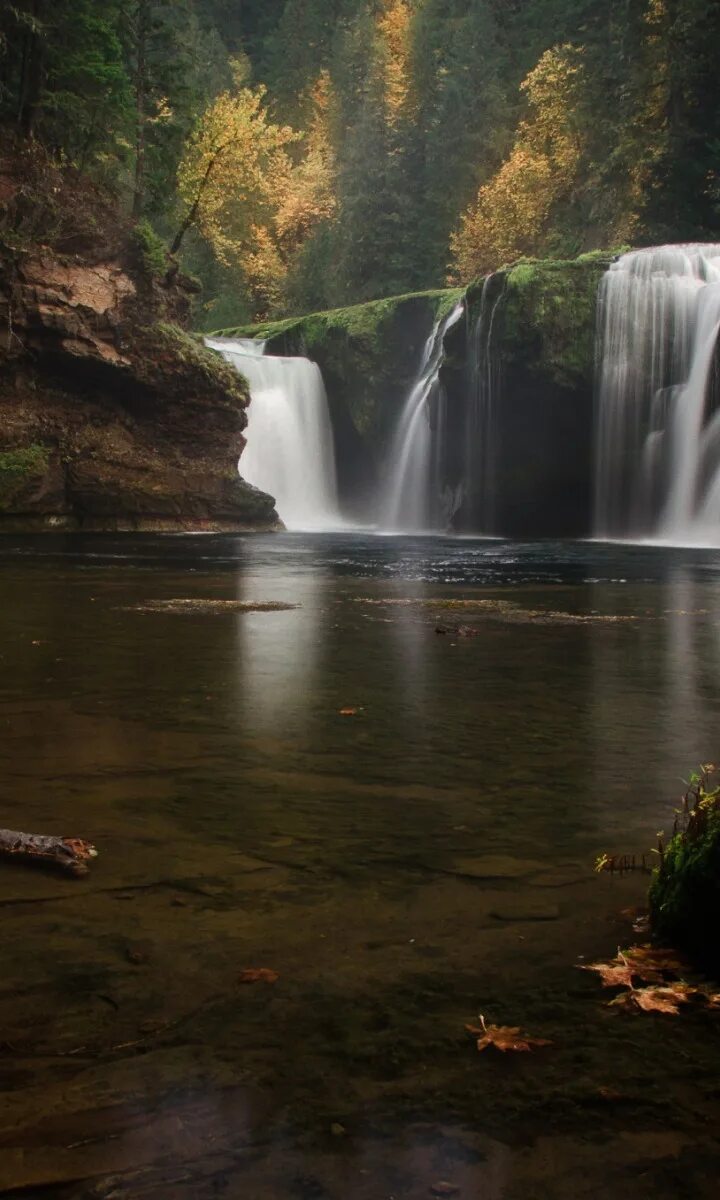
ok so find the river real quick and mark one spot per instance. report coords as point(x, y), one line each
point(402, 868)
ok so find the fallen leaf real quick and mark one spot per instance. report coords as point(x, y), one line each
point(616, 973)
point(647, 961)
point(503, 1037)
point(664, 999)
point(258, 975)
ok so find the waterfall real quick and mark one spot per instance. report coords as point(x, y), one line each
point(657, 436)
point(414, 501)
point(479, 485)
point(289, 451)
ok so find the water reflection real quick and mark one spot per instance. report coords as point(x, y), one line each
point(401, 870)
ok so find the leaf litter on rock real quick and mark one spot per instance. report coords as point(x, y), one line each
point(654, 967)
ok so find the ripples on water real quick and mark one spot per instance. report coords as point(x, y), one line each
point(402, 869)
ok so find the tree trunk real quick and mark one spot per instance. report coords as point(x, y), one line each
point(69, 853)
point(193, 211)
point(32, 69)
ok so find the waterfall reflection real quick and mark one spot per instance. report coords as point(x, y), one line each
point(277, 654)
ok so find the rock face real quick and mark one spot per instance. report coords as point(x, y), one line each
point(543, 344)
point(112, 418)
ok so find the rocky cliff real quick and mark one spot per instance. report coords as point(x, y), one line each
point(111, 417)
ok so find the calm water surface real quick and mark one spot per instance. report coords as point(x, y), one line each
point(402, 869)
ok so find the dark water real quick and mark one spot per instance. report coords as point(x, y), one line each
point(402, 869)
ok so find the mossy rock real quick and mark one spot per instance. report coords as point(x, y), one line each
point(21, 471)
point(549, 316)
point(684, 894)
point(166, 351)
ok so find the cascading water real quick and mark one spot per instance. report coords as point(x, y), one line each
point(657, 438)
point(289, 451)
point(414, 501)
point(481, 422)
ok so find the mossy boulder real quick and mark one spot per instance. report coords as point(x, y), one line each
point(543, 354)
point(684, 894)
point(549, 317)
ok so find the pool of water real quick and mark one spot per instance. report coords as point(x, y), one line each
point(402, 869)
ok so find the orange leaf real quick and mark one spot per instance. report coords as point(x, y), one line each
point(617, 973)
point(504, 1037)
point(258, 975)
point(656, 999)
point(651, 959)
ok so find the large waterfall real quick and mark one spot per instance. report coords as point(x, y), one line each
point(289, 451)
point(414, 500)
point(657, 435)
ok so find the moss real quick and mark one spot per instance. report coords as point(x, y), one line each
point(364, 322)
point(28, 460)
point(150, 249)
point(549, 315)
point(162, 341)
point(18, 468)
point(684, 894)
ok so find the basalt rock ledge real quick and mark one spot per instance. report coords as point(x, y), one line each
point(111, 416)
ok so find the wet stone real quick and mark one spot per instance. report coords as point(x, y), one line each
point(524, 909)
point(496, 866)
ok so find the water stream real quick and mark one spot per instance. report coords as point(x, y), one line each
point(484, 397)
point(414, 500)
point(289, 451)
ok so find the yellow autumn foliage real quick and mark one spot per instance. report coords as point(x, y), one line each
point(310, 193)
point(234, 173)
point(511, 211)
point(393, 29)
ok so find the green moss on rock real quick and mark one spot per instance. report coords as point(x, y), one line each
point(684, 894)
point(20, 470)
point(549, 316)
point(167, 349)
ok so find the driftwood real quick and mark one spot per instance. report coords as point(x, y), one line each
point(69, 853)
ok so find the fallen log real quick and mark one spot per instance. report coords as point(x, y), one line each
point(69, 853)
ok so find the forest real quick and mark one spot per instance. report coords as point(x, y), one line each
point(306, 154)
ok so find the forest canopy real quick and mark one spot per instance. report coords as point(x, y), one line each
point(303, 154)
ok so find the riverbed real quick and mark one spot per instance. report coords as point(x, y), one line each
point(513, 710)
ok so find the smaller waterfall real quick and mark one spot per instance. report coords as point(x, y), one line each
point(413, 501)
point(657, 438)
point(479, 487)
point(289, 451)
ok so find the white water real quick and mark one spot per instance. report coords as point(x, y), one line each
point(481, 426)
point(413, 501)
point(289, 451)
point(657, 471)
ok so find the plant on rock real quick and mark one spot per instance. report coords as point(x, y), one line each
point(685, 890)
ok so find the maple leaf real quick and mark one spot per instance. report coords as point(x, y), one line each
point(503, 1037)
point(258, 975)
point(648, 961)
point(665, 999)
point(616, 973)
